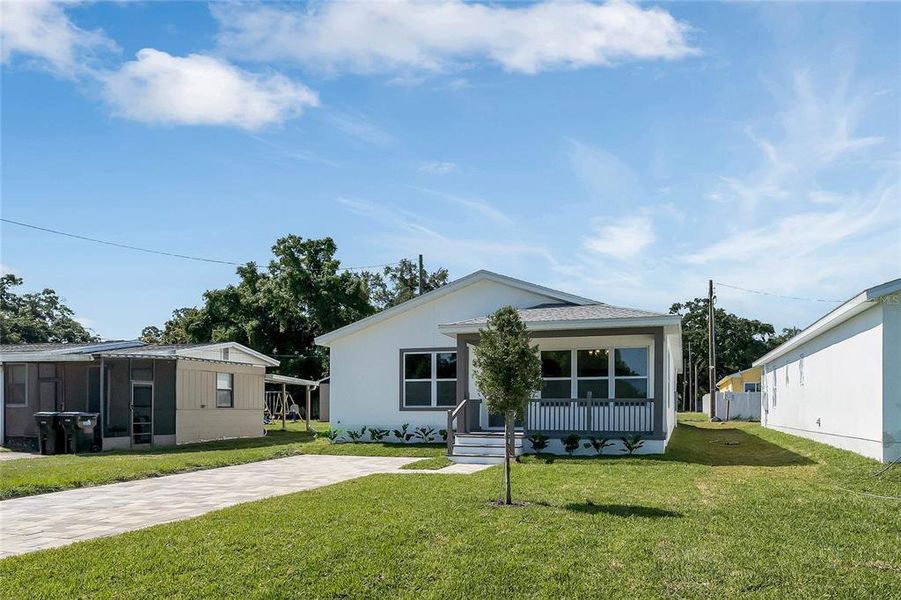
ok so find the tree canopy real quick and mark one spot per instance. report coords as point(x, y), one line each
point(37, 317)
point(279, 310)
point(739, 341)
point(507, 366)
point(399, 283)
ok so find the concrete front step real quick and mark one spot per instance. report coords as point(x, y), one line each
point(485, 450)
point(481, 439)
point(467, 459)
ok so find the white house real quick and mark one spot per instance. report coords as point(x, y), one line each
point(839, 381)
point(609, 371)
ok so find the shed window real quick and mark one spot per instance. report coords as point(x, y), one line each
point(225, 394)
point(752, 387)
point(429, 379)
point(16, 385)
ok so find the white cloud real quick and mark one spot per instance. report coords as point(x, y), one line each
point(42, 31)
point(438, 167)
point(367, 37)
point(360, 127)
point(622, 238)
point(201, 90)
point(604, 174)
point(477, 208)
point(792, 236)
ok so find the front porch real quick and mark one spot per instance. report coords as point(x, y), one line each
point(599, 382)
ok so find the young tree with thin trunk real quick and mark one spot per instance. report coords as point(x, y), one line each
point(508, 373)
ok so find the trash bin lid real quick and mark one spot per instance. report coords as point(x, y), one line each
point(47, 413)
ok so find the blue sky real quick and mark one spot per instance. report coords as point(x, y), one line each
point(620, 151)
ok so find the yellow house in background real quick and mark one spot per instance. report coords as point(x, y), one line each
point(743, 381)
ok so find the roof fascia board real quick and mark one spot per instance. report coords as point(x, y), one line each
point(884, 289)
point(268, 360)
point(851, 308)
point(10, 357)
point(326, 338)
point(452, 329)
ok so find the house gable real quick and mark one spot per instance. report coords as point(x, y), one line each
point(522, 294)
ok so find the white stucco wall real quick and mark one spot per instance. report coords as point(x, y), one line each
point(891, 377)
point(840, 401)
point(365, 368)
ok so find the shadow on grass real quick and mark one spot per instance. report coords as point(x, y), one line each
point(725, 444)
point(621, 510)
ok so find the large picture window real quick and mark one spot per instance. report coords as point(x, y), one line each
point(630, 373)
point(556, 370)
point(429, 379)
point(225, 392)
point(595, 373)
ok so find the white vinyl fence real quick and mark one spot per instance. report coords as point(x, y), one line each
point(742, 406)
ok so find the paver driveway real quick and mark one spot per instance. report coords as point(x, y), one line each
point(49, 520)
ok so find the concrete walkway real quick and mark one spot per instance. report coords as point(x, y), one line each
point(4, 456)
point(50, 520)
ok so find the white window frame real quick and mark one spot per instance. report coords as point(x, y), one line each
point(747, 383)
point(433, 380)
point(231, 388)
point(5, 397)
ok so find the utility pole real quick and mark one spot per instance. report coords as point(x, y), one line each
point(421, 276)
point(711, 353)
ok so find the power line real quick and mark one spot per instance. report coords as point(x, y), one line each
point(118, 245)
point(160, 252)
point(762, 293)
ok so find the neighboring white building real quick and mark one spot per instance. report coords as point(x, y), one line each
point(839, 381)
point(609, 371)
point(151, 394)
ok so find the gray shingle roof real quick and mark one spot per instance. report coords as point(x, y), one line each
point(568, 312)
point(68, 347)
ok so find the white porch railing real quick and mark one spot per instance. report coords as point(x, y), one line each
point(590, 416)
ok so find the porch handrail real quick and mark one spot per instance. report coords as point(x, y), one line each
point(451, 417)
point(591, 415)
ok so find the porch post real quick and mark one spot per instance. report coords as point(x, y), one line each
point(104, 408)
point(462, 382)
point(284, 404)
point(658, 383)
point(307, 388)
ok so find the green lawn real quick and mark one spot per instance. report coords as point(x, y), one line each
point(29, 476)
point(731, 510)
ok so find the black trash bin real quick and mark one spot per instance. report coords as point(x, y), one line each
point(50, 434)
point(81, 432)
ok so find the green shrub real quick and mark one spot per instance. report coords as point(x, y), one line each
point(377, 435)
point(632, 443)
point(598, 444)
point(401, 434)
point(356, 435)
point(571, 443)
point(538, 441)
point(424, 434)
